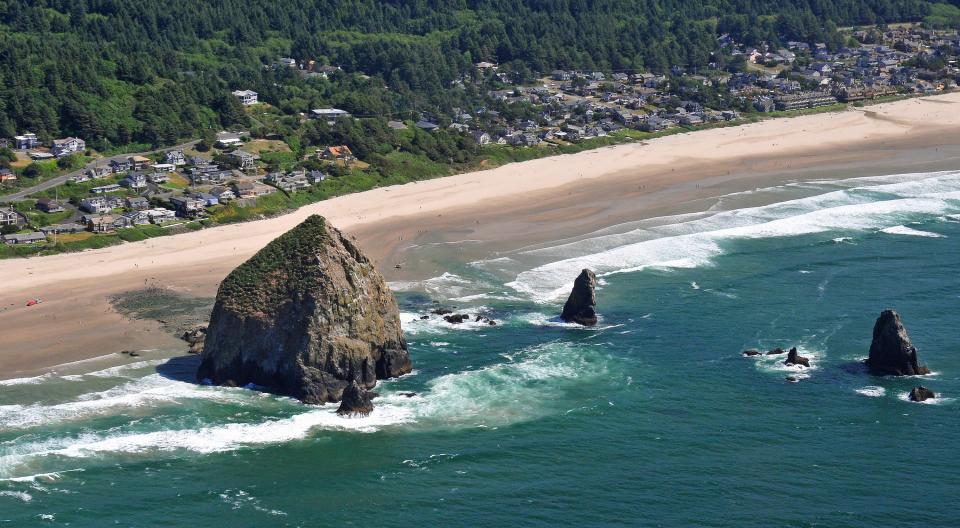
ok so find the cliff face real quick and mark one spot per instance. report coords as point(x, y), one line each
point(305, 316)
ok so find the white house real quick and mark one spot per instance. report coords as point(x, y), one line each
point(26, 141)
point(246, 97)
point(67, 146)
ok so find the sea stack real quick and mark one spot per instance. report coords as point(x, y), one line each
point(306, 316)
point(582, 303)
point(891, 352)
point(355, 401)
point(921, 393)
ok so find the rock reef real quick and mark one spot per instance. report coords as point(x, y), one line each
point(921, 393)
point(891, 352)
point(307, 316)
point(581, 306)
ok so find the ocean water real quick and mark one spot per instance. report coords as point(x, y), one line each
point(652, 418)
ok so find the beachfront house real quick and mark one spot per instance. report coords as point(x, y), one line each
point(160, 215)
point(67, 146)
point(95, 205)
point(133, 218)
point(246, 97)
point(338, 153)
point(187, 205)
point(25, 238)
point(26, 141)
point(101, 224)
point(222, 194)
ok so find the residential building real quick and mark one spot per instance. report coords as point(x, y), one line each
point(160, 215)
point(101, 224)
point(9, 217)
point(187, 205)
point(95, 205)
point(137, 203)
point(246, 97)
point(175, 157)
point(67, 146)
point(26, 141)
point(228, 139)
point(245, 160)
point(120, 165)
point(49, 206)
point(339, 152)
point(7, 175)
point(25, 238)
point(329, 114)
point(223, 194)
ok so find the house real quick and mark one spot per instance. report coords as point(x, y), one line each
point(163, 167)
point(101, 224)
point(244, 190)
point(397, 125)
point(290, 182)
point(137, 203)
point(175, 157)
point(203, 176)
point(482, 138)
point(222, 194)
point(339, 152)
point(26, 238)
point(427, 125)
point(228, 139)
point(160, 215)
point(208, 199)
point(329, 114)
point(49, 206)
point(187, 205)
point(58, 229)
point(245, 160)
point(246, 97)
point(113, 187)
point(138, 162)
point(133, 218)
point(159, 177)
point(287, 62)
point(41, 156)
point(135, 181)
point(120, 165)
point(316, 176)
point(9, 217)
point(98, 172)
point(26, 141)
point(67, 146)
point(95, 205)
point(7, 175)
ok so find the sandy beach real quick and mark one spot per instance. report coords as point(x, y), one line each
point(498, 210)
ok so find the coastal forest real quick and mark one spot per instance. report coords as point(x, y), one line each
point(124, 72)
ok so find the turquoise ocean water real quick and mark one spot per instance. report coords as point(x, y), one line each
point(653, 418)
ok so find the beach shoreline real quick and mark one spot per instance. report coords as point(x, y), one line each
point(497, 210)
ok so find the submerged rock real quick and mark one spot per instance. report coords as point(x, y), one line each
point(776, 352)
point(581, 306)
point(891, 352)
point(306, 316)
point(794, 358)
point(355, 401)
point(921, 393)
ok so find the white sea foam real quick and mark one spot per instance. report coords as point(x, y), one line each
point(435, 324)
point(150, 391)
point(871, 391)
point(696, 242)
point(34, 380)
point(904, 230)
point(775, 363)
point(21, 495)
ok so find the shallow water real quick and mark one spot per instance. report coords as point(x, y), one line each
point(651, 418)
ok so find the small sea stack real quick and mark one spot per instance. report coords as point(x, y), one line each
point(307, 316)
point(581, 306)
point(891, 352)
point(355, 401)
point(921, 393)
point(794, 358)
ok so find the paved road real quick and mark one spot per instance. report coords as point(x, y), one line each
point(60, 180)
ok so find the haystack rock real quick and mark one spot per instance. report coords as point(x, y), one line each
point(355, 401)
point(891, 352)
point(582, 303)
point(306, 316)
point(921, 393)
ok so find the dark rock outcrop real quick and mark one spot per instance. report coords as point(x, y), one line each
point(921, 393)
point(306, 316)
point(891, 352)
point(776, 352)
point(456, 318)
point(751, 352)
point(794, 358)
point(355, 401)
point(581, 306)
